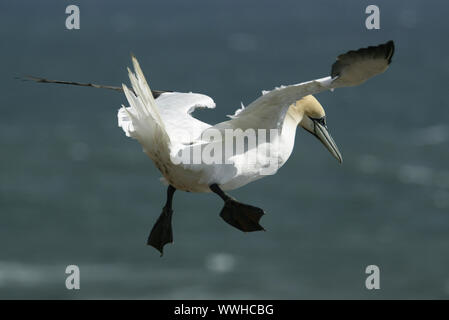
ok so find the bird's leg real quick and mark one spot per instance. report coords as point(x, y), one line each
point(162, 232)
point(239, 215)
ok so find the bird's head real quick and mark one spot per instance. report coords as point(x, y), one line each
point(313, 119)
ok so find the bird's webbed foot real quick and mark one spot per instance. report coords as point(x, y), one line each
point(162, 232)
point(242, 216)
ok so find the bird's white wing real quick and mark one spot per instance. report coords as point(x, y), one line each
point(175, 109)
point(351, 68)
point(268, 111)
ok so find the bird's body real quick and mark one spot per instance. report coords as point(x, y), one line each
point(166, 122)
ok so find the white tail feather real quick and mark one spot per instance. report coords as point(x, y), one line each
point(142, 120)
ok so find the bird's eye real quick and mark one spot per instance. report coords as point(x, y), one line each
point(321, 121)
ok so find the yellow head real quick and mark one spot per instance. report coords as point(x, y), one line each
point(310, 115)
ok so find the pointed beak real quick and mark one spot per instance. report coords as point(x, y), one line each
point(323, 135)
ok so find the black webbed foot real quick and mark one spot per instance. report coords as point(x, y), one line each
point(242, 216)
point(162, 232)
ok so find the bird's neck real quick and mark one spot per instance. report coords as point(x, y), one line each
point(295, 113)
point(288, 134)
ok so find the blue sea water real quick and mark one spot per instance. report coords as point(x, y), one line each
point(75, 190)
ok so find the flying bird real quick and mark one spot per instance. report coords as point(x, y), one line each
point(163, 124)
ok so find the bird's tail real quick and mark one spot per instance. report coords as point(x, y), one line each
point(141, 120)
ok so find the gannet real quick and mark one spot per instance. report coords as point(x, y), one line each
point(162, 122)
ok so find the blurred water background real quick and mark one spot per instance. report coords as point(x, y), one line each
point(75, 190)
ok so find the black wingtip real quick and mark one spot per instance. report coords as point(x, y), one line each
point(384, 50)
point(390, 50)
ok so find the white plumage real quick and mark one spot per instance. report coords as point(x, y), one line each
point(165, 126)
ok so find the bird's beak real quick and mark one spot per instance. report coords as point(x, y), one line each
point(323, 135)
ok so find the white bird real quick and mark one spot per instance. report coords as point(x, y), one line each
point(163, 125)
